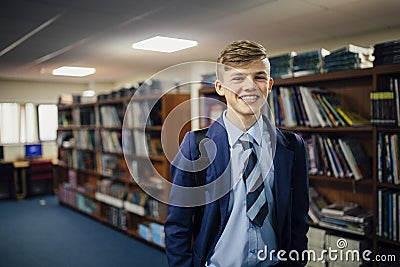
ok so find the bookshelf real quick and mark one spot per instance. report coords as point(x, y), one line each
point(93, 175)
point(352, 88)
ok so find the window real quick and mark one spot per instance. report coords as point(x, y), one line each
point(48, 122)
point(19, 123)
point(10, 118)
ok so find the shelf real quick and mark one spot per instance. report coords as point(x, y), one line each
point(86, 194)
point(146, 97)
point(120, 154)
point(144, 157)
point(353, 88)
point(90, 172)
point(342, 232)
point(340, 180)
point(136, 214)
point(110, 128)
point(392, 129)
point(387, 69)
point(77, 127)
point(103, 220)
point(366, 129)
point(137, 236)
point(114, 101)
point(390, 186)
point(76, 105)
point(96, 217)
point(323, 77)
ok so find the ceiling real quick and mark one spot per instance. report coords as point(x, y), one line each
point(38, 36)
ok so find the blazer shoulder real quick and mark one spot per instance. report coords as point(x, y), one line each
point(291, 139)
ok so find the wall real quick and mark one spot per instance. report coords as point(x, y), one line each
point(43, 92)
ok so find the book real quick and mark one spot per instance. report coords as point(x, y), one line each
point(357, 215)
point(363, 161)
point(352, 118)
point(352, 49)
point(317, 203)
point(339, 208)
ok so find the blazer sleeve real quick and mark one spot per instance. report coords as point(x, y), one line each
point(178, 226)
point(300, 201)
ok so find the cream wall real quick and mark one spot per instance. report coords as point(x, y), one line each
point(44, 92)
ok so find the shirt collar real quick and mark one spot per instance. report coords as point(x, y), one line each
point(234, 133)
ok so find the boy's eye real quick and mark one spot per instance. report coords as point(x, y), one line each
point(261, 78)
point(238, 78)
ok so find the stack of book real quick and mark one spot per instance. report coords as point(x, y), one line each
point(349, 57)
point(388, 214)
point(389, 158)
point(309, 62)
point(343, 216)
point(282, 65)
point(385, 104)
point(387, 53)
point(311, 107)
point(337, 157)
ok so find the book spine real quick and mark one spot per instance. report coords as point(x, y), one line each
point(379, 230)
point(379, 157)
point(395, 216)
point(332, 163)
point(397, 99)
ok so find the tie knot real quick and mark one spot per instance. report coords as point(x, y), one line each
point(247, 141)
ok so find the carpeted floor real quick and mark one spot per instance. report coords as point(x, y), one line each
point(51, 235)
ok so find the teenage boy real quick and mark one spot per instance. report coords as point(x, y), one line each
point(262, 219)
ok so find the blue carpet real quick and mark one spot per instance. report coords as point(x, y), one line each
point(51, 235)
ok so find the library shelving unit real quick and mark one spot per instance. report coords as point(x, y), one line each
point(352, 88)
point(93, 174)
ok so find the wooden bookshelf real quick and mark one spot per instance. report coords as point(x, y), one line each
point(352, 87)
point(86, 154)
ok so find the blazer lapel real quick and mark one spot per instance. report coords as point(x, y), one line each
point(220, 167)
point(283, 164)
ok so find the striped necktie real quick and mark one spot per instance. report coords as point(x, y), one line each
point(256, 202)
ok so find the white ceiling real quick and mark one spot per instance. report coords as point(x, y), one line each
point(38, 36)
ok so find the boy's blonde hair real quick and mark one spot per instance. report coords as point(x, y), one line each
point(242, 53)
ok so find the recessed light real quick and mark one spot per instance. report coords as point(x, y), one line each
point(73, 71)
point(88, 93)
point(164, 44)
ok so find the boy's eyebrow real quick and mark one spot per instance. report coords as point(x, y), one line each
point(261, 72)
point(235, 73)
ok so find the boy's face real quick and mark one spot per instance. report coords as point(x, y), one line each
point(245, 89)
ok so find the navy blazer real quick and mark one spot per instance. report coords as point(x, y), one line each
point(191, 233)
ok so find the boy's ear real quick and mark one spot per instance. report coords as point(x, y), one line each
point(270, 84)
point(218, 88)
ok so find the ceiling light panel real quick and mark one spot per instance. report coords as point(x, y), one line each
point(164, 44)
point(73, 71)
